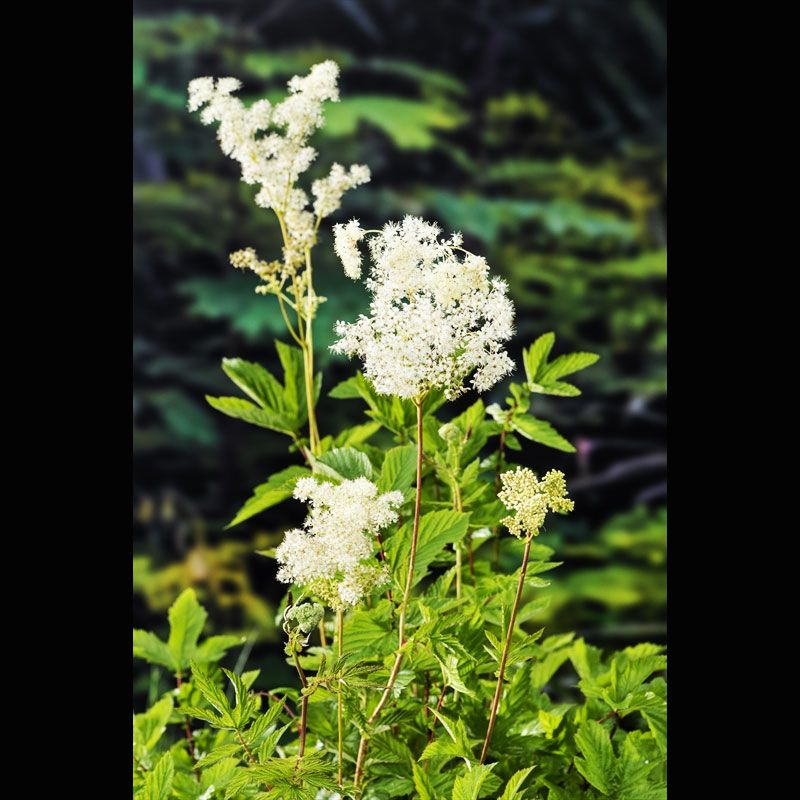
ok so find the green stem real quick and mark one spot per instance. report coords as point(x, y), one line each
point(498, 692)
point(362, 745)
point(458, 506)
point(303, 707)
point(246, 748)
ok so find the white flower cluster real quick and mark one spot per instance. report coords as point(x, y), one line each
point(435, 317)
point(332, 555)
point(275, 160)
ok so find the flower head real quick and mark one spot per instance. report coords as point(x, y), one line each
point(306, 616)
point(271, 145)
point(435, 317)
point(531, 499)
point(332, 555)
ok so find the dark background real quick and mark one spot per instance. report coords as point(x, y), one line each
point(538, 129)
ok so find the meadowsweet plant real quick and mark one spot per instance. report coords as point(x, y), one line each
point(414, 583)
point(270, 143)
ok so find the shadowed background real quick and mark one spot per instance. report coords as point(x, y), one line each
point(538, 129)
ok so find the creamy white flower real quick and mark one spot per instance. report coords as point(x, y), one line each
point(271, 145)
point(345, 242)
point(332, 556)
point(435, 318)
point(328, 191)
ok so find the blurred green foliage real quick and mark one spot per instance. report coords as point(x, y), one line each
point(537, 129)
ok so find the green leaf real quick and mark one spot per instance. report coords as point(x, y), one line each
point(536, 355)
point(215, 647)
point(657, 722)
point(538, 430)
point(468, 786)
point(632, 771)
point(212, 693)
point(544, 669)
point(457, 743)
point(344, 463)
point(245, 705)
point(557, 388)
point(511, 792)
point(270, 742)
point(148, 646)
point(436, 529)
point(149, 726)
point(357, 434)
point(158, 783)
point(410, 124)
point(294, 392)
point(248, 412)
point(422, 783)
point(262, 723)
point(369, 631)
point(218, 753)
point(186, 620)
point(631, 674)
point(598, 765)
point(565, 365)
point(276, 489)
point(255, 382)
point(399, 469)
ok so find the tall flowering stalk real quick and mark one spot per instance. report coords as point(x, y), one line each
point(437, 326)
point(271, 145)
point(436, 320)
point(530, 499)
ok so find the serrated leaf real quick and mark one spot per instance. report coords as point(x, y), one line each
point(598, 764)
point(244, 704)
point(536, 355)
point(244, 410)
point(215, 647)
point(565, 365)
point(148, 646)
point(207, 716)
point(356, 435)
point(544, 669)
point(468, 785)
point(262, 723)
point(511, 792)
point(291, 359)
point(422, 783)
point(537, 430)
point(267, 747)
point(369, 631)
point(457, 743)
point(276, 489)
point(256, 382)
point(631, 674)
point(556, 388)
point(632, 771)
point(149, 726)
point(399, 469)
point(657, 722)
point(436, 529)
point(344, 463)
point(218, 753)
point(186, 620)
point(212, 693)
point(451, 675)
point(158, 783)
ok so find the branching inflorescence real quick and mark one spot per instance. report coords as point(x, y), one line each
point(436, 315)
